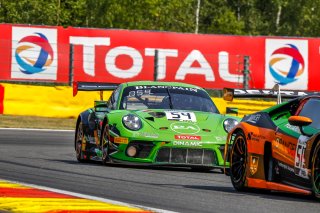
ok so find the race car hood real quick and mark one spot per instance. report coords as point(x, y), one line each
point(181, 121)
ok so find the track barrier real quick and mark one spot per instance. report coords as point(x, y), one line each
point(1, 98)
point(58, 101)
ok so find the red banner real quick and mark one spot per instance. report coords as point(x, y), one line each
point(41, 53)
point(122, 55)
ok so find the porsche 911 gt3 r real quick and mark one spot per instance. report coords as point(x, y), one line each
point(277, 148)
point(157, 123)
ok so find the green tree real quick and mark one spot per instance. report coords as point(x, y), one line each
point(238, 17)
point(220, 18)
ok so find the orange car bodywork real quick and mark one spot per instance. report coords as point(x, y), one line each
point(283, 149)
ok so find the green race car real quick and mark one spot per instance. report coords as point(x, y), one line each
point(154, 123)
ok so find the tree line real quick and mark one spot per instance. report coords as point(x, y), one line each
point(234, 17)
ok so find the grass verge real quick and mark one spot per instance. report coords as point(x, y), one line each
point(14, 121)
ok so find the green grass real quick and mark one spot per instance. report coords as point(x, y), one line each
point(14, 121)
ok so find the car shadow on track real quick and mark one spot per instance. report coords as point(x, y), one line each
point(266, 194)
point(145, 167)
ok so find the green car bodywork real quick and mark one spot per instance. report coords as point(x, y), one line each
point(156, 123)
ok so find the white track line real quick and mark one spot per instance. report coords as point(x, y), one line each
point(89, 197)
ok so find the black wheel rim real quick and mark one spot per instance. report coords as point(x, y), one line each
point(105, 144)
point(316, 173)
point(79, 141)
point(238, 159)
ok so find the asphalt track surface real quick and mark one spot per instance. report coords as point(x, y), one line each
point(47, 158)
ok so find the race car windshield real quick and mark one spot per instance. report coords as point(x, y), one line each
point(166, 97)
point(311, 110)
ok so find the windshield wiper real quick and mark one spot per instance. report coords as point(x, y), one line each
point(170, 100)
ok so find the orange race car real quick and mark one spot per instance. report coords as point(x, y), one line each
point(277, 148)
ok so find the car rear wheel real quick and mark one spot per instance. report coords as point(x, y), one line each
point(78, 143)
point(238, 162)
point(105, 144)
point(315, 177)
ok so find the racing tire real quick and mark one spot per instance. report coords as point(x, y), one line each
point(315, 172)
point(105, 144)
point(238, 162)
point(78, 142)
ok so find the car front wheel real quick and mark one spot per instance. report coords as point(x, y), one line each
point(78, 142)
point(105, 144)
point(315, 177)
point(238, 162)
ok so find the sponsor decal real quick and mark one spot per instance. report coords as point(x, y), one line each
point(287, 63)
point(185, 128)
point(187, 143)
point(254, 118)
point(187, 137)
point(293, 128)
point(165, 87)
point(221, 138)
point(254, 162)
point(300, 160)
point(181, 116)
point(286, 167)
point(255, 137)
point(270, 92)
point(285, 147)
point(146, 134)
point(140, 92)
point(121, 140)
point(35, 53)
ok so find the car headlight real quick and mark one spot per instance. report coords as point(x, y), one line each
point(229, 123)
point(132, 122)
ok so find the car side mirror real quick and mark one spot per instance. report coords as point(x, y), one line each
point(300, 121)
point(228, 94)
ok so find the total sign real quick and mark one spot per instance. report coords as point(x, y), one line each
point(34, 53)
point(120, 56)
point(63, 55)
point(286, 63)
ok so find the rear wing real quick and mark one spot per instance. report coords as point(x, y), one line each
point(93, 86)
point(229, 93)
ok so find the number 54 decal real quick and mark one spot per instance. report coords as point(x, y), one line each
point(181, 116)
point(299, 163)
